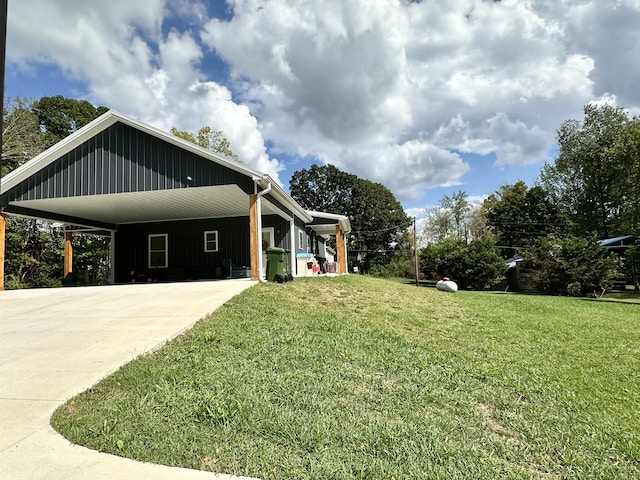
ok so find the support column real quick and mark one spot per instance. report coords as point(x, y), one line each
point(341, 251)
point(293, 250)
point(112, 259)
point(68, 254)
point(3, 221)
point(253, 234)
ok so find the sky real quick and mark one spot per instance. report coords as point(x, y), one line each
point(426, 97)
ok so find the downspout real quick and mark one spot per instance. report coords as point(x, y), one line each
point(259, 196)
point(292, 255)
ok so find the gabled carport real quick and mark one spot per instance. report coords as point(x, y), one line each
point(116, 171)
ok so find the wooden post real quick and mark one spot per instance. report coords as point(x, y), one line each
point(68, 254)
point(253, 234)
point(3, 221)
point(341, 251)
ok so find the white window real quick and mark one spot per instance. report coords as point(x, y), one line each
point(211, 241)
point(158, 251)
point(301, 241)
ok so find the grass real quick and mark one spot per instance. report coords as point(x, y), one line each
point(354, 377)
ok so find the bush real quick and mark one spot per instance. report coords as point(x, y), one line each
point(569, 266)
point(484, 267)
point(477, 265)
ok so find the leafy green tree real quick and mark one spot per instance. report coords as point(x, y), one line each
point(34, 249)
point(517, 215)
point(59, 116)
point(483, 265)
point(22, 138)
point(573, 266)
point(33, 254)
point(478, 224)
point(212, 140)
point(589, 175)
point(450, 219)
point(627, 151)
point(438, 225)
point(444, 259)
point(326, 189)
point(377, 218)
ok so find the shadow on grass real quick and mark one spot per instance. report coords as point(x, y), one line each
point(632, 298)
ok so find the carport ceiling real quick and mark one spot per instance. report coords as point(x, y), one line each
point(154, 206)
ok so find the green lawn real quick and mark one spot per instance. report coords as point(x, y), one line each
point(355, 377)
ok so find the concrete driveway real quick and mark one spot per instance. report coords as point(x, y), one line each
point(55, 343)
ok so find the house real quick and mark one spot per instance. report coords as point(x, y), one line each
point(619, 246)
point(172, 209)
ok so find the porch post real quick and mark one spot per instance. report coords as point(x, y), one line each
point(292, 254)
point(253, 234)
point(68, 254)
point(341, 251)
point(112, 259)
point(3, 221)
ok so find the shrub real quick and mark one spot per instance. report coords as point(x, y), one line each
point(573, 266)
point(484, 267)
point(476, 265)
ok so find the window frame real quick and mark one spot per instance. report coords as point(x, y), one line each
point(301, 242)
point(166, 249)
point(206, 241)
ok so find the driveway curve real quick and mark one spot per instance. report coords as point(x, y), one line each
point(55, 343)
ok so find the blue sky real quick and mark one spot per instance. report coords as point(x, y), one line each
point(425, 97)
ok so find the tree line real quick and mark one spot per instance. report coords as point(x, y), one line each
point(589, 193)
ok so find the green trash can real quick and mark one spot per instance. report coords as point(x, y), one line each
point(277, 265)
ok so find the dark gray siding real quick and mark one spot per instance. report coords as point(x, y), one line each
point(281, 228)
point(278, 204)
point(187, 258)
point(124, 159)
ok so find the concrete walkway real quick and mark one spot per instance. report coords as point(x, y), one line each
point(55, 343)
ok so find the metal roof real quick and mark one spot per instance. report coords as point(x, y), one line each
point(205, 201)
point(619, 241)
point(324, 223)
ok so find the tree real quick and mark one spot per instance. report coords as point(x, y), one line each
point(477, 264)
point(377, 218)
point(59, 116)
point(444, 259)
point(627, 150)
point(459, 208)
point(22, 138)
point(450, 219)
point(517, 215)
point(34, 248)
point(589, 175)
point(632, 265)
point(572, 265)
point(33, 253)
point(212, 140)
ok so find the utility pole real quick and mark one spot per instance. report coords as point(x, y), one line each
point(415, 252)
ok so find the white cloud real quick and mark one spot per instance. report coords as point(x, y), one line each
point(392, 90)
point(120, 51)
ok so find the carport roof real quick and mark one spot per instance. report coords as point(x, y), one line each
point(108, 210)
